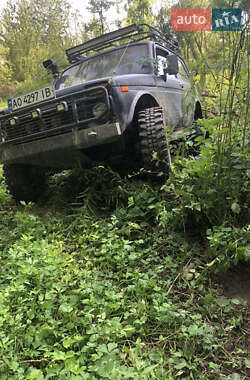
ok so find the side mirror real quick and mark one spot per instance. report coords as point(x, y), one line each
point(52, 66)
point(173, 68)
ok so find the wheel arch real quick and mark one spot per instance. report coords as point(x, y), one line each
point(142, 101)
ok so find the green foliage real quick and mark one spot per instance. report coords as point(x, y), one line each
point(4, 197)
point(102, 290)
point(5, 69)
point(139, 11)
point(228, 246)
point(213, 187)
point(32, 84)
point(6, 73)
point(100, 7)
point(32, 33)
point(218, 62)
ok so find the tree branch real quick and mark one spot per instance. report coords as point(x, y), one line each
point(34, 361)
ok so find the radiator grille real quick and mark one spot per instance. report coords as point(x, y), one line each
point(50, 122)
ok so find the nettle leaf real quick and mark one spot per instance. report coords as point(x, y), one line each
point(247, 362)
point(67, 342)
point(73, 365)
point(222, 302)
point(30, 314)
point(181, 364)
point(235, 208)
point(12, 364)
point(65, 308)
point(247, 252)
point(149, 369)
point(235, 301)
point(103, 348)
point(194, 330)
point(35, 374)
point(235, 376)
point(112, 346)
point(59, 355)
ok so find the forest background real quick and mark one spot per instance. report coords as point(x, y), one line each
point(32, 31)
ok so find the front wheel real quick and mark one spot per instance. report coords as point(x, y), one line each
point(153, 145)
point(25, 182)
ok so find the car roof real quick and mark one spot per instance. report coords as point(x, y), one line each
point(124, 36)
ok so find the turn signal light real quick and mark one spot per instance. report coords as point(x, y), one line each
point(124, 88)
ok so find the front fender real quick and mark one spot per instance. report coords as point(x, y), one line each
point(142, 100)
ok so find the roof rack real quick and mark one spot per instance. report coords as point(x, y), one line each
point(132, 33)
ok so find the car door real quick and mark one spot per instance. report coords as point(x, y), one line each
point(169, 89)
point(188, 95)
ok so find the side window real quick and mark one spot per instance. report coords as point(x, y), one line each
point(161, 62)
point(182, 74)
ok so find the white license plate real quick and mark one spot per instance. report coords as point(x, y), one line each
point(33, 97)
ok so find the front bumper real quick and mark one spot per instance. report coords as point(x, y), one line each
point(62, 151)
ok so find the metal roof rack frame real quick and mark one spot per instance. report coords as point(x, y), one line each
point(132, 33)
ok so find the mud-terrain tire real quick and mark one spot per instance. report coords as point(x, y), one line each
point(153, 139)
point(24, 182)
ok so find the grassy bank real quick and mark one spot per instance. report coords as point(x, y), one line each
point(117, 282)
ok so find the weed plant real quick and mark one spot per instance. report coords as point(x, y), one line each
point(110, 288)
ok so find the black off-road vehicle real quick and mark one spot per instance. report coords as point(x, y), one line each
point(111, 105)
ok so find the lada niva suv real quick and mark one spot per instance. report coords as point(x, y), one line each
point(111, 105)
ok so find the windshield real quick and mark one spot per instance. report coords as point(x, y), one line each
point(127, 60)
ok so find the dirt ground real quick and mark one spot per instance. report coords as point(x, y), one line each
point(236, 282)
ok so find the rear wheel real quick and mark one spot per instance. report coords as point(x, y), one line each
point(153, 146)
point(25, 182)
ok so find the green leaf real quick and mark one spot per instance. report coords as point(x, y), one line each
point(67, 342)
point(35, 374)
point(103, 348)
point(181, 364)
point(112, 346)
point(194, 330)
point(235, 208)
point(235, 376)
point(247, 362)
point(65, 308)
point(235, 301)
point(149, 369)
point(222, 302)
point(59, 355)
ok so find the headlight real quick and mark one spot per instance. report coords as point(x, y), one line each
point(98, 109)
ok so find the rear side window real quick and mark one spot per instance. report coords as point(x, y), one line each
point(182, 74)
